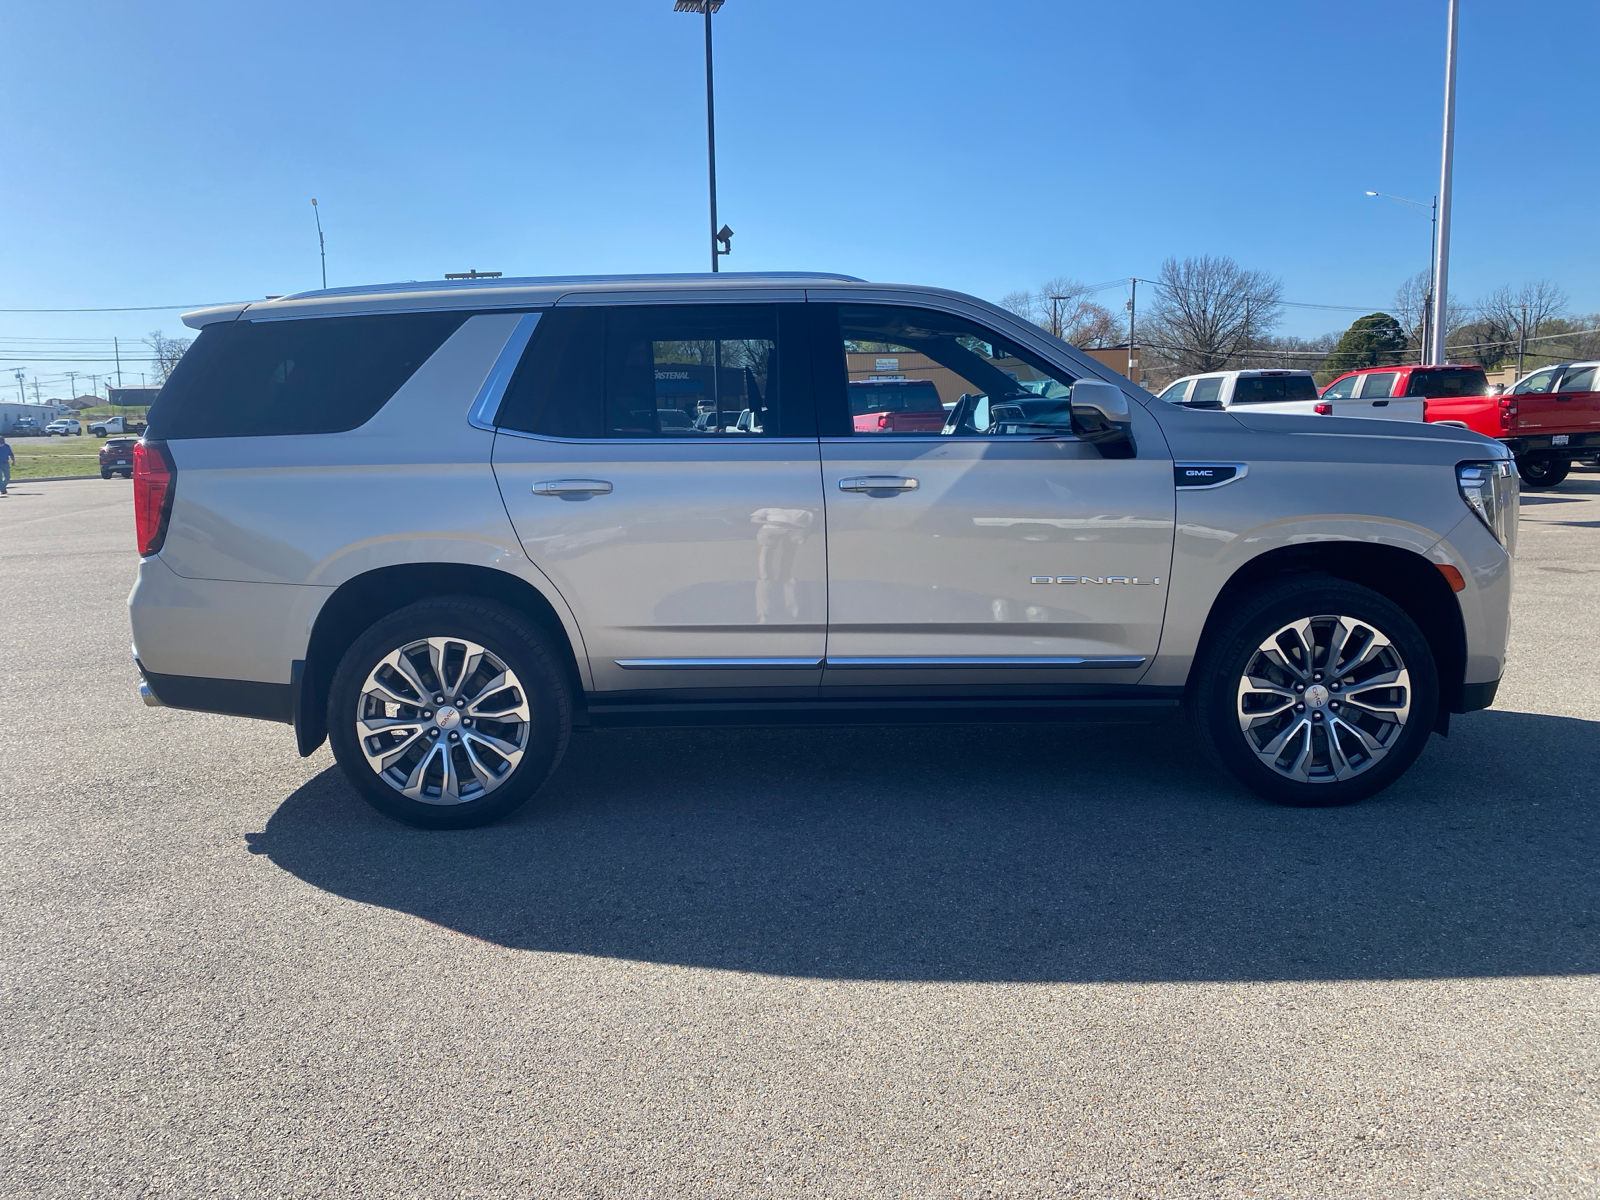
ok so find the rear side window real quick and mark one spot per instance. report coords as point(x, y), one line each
point(1378, 385)
point(663, 371)
point(1259, 389)
point(1207, 393)
point(317, 375)
point(1578, 380)
point(1435, 384)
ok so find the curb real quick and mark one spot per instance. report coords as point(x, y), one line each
point(53, 479)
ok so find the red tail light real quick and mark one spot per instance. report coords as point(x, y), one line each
point(1508, 412)
point(154, 482)
point(1325, 409)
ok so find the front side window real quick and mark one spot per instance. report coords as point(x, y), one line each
point(913, 372)
point(1342, 389)
point(1378, 385)
point(1263, 389)
point(657, 371)
point(1578, 381)
point(1536, 384)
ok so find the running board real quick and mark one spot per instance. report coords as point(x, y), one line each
point(896, 663)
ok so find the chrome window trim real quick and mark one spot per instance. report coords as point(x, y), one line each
point(1240, 471)
point(1087, 662)
point(486, 406)
point(1015, 439)
point(718, 664)
point(724, 439)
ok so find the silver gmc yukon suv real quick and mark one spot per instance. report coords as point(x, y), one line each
point(441, 525)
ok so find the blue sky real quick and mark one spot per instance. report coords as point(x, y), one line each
point(167, 153)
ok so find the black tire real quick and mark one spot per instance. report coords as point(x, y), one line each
point(1215, 702)
point(105, 474)
point(1541, 471)
point(127, 474)
point(505, 636)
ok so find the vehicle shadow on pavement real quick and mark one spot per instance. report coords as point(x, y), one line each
point(1028, 853)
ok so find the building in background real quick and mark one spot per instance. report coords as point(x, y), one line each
point(40, 414)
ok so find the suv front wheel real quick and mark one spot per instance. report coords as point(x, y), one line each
point(1315, 692)
point(449, 713)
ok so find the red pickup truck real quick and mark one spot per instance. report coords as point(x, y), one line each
point(1549, 419)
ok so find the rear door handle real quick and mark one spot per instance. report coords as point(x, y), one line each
point(878, 483)
point(571, 487)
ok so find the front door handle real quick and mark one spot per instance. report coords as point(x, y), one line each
point(878, 483)
point(571, 487)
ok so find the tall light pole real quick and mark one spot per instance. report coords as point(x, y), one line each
point(1441, 272)
point(1432, 213)
point(722, 234)
point(322, 246)
point(1133, 296)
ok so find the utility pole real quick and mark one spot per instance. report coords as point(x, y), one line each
point(1133, 361)
point(1441, 274)
point(72, 382)
point(1055, 314)
point(22, 390)
point(36, 399)
point(117, 350)
point(1522, 338)
point(322, 246)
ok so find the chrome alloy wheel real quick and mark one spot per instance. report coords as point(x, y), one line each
point(442, 721)
point(1324, 699)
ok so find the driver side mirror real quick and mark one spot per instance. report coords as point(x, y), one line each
point(1101, 414)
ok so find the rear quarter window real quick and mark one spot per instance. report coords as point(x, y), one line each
point(317, 375)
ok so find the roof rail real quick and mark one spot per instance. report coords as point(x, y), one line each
point(532, 281)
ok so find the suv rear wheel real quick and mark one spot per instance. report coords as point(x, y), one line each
point(448, 714)
point(1315, 692)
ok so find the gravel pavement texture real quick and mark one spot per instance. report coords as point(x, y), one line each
point(887, 962)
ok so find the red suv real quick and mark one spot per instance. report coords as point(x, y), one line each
point(1431, 383)
point(896, 405)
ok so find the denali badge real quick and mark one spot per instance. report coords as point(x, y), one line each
point(1130, 580)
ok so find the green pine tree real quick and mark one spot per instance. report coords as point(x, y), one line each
point(1375, 340)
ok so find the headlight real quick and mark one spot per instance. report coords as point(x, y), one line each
point(1491, 490)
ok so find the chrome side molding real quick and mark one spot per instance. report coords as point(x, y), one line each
point(718, 664)
point(882, 663)
point(940, 663)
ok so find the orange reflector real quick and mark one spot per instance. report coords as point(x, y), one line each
point(1451, 576)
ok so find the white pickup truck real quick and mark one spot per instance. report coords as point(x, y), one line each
point(1287, 392)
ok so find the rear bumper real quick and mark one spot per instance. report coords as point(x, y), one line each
point(228, 697)
point(1475, 696)
point(1577, 445)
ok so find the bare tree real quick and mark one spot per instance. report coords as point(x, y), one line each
point(1517, 313)
point(1207, 311)
point(1062, 306)
point(165, 353)
point(1411, 300)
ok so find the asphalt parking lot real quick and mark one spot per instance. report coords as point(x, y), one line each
point(891, 962)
